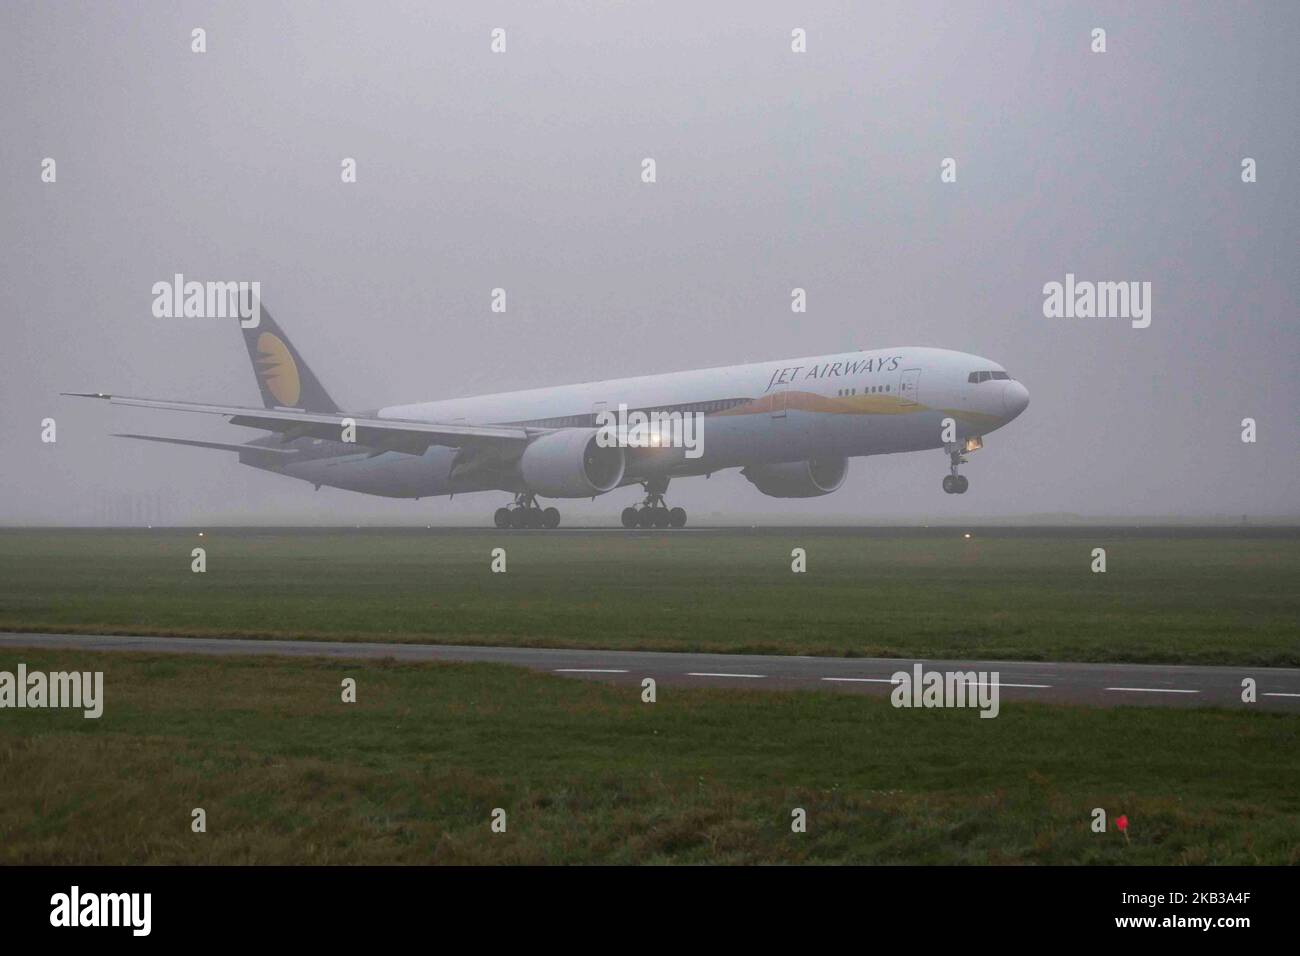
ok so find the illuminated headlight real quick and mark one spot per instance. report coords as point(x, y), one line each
point(973, 444)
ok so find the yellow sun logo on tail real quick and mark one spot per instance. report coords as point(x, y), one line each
point(276, 368)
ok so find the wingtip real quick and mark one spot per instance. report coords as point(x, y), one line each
point(87, 394)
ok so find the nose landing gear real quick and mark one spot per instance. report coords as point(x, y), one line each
point(953, 483)
point(526, 513)
point(654, 512)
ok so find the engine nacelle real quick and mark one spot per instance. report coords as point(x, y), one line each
point(798, 479)
point(570, 464)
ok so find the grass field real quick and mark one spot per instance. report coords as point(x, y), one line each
point(1175, 598)
point(588, 773)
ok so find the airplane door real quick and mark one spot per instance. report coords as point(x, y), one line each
point(778, 401)
point(907, 386)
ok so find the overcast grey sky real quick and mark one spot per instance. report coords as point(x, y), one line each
point(775, 170)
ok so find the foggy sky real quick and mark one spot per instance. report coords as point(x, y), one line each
point(775, 170)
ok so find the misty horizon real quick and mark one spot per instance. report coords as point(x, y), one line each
point(775, 170)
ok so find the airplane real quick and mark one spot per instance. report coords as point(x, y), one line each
point(790, 426)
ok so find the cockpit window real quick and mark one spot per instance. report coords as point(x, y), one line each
point(990, 376)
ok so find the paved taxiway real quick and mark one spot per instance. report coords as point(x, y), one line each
point(1097, 684)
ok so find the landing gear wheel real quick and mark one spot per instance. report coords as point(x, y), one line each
point(953, 483)
point(654, 512)
point(526, 513)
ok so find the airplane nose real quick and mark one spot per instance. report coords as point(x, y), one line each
point(1015, 399)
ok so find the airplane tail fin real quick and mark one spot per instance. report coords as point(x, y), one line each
point(283, 377)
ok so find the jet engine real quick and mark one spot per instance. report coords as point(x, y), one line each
point(570, 464)
point(798, 479)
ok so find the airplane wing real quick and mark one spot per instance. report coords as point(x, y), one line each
point(382, 434)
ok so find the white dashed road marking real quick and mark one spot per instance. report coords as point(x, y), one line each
point(694, 674)
point(890, 680)
point(864, 680)
point(1154, 690)
point(589, 670)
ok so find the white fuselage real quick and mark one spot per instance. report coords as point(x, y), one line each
point(829, 406)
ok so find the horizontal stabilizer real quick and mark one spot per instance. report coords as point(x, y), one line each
point(219, 445)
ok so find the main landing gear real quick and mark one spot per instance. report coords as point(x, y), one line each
point(526, 513)
point(653, 512)
point(953, 483)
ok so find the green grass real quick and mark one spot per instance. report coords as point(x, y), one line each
point(587, 773)
point(1175, 599)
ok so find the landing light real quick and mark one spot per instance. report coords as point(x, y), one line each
point(973, 444)
point(966, 535)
